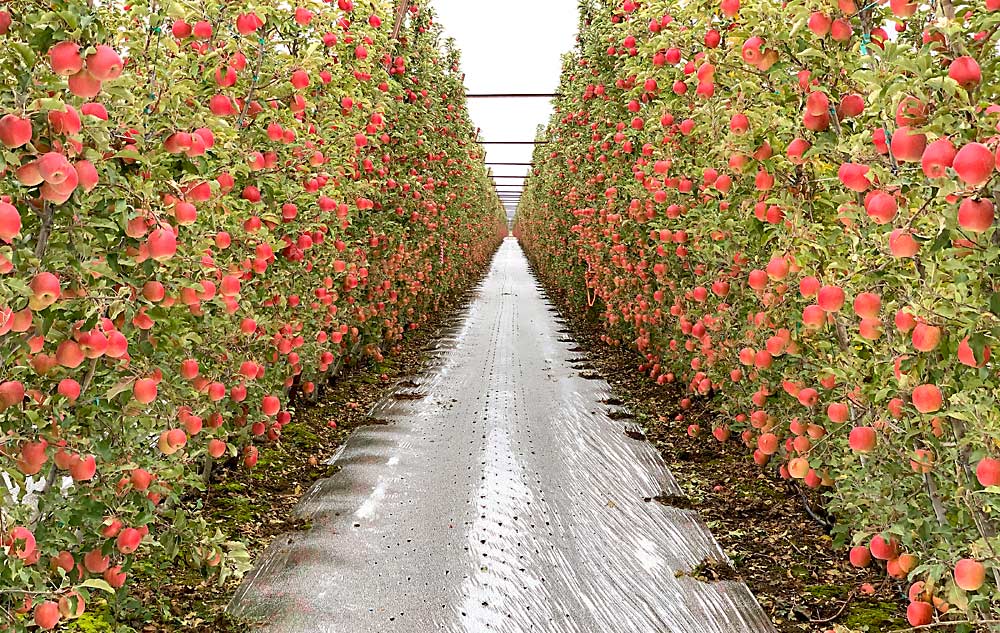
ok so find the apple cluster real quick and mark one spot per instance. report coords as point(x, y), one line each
point(788, 211)
point(205, 217)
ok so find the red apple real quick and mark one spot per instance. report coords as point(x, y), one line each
point(926, 337)
point(927, 398)
point(83, 468)
point(819, 23)
point(902, 244)
point(967, 356)
point(851, 106)
point(299, 79)
point(216, 448)
point(813, 317)
point(270, 405)
point(838, 412)
point(140, 479)
point(969, 574)
point(854, 176)
point(83, 84)
point(862, 440)
point(47, 615)
point(919, 613)
point(95, 562)
point(247, 23)
point(976, 215)
point(10, 222)
point(867, 304)
point(974, 164)
point(180, 29)
point(14, 131)
point(911, 111)
point(988, 471)
point(903, 8)
point(817, 103)
point(86, 174)
point(105, 64)
point(69, 354)
point(907, 145)
point(202, 30)
point(54, 168)
point(841, 30)
point(115, 577)
point(883, 549)
point(144, 390)
point(965, 70)
point(796, 149)
point(189, 369)
point(809, 286)
point(172, 441)
point(831, 298)
point(65, 58)
point(69, 389)
point(128, 540)
point(45, 291)
point(860, 556)
point(881, 207)
point(95, 110)
point(162, 244)
point(938, 156)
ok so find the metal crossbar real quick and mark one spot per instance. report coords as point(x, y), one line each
point(513, 95)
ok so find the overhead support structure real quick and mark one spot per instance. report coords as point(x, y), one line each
point(513, 95)
point(512, 142)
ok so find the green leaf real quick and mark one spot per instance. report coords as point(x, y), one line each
point(942, 240)
point(130, 154)
point(978, 344)
point(98, 583)
point(995, 303)
point(24, 51)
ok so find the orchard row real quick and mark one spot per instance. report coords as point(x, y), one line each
point(789, 209)
point(208, 209)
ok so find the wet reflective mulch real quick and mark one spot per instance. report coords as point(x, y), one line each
point(505, 498)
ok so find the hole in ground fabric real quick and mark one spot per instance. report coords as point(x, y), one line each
point(711, 570)
point(635, 433)
point(409, 396)
point(674, 501)
point(620, 414)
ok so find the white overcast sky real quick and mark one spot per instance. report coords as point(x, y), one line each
point(510, 46)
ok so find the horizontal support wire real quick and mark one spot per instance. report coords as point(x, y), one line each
point(512, 95)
